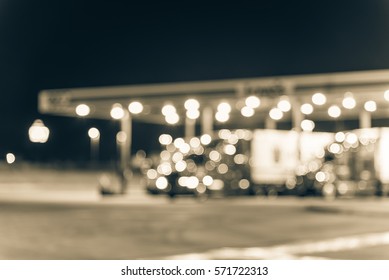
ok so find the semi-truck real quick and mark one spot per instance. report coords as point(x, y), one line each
point(356, 163)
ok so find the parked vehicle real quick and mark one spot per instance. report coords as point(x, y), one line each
point(355, 164)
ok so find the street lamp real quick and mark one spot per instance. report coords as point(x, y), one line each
point(94, 135)
point(38, 132)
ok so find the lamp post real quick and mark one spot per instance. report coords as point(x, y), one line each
point(94, 135)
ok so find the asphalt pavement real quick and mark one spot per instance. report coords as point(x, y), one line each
point(57, 215)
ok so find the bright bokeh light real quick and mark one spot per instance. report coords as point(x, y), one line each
point(165, 139)
point(184, 148)
point(224, 107)
point(319, 98)
point(161, 183)
point(240, 159)
point(192, 105)
point(152, 174)
point(320, 176)
point(307, 125)
point(193, 114)
point(168, 110)
point(233, 139)
point(172, 118)
point(10, 158)
point(178, 142)
point(177, 156)
point(93, 133)
point(165, 155)
point(224, 133)
point(38, 132)
point(335, 148)
point(348, 101)
point(229, 149)
point(247, 111)
point(222, 168)
point(386, 95)
point(276, 114)
point(205, 139)
point(121, 137)
point(215, 156)
point(370, 106)
point(207, 180)
point(192, 182)
point(253, 101)
point(334, 111)
point(195, 142)
point(340, 136)
point(244, 184)
point(82, 110)
point(135, 107)
point(180, 166)
point(222, 117)
point(306, 109)
point(117, 111)
point(351, 138)
point(284, 104)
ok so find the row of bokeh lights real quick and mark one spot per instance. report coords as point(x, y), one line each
point(251, 103)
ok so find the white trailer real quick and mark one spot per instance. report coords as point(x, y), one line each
point(275, 154)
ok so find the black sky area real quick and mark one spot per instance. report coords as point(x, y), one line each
point(64, 44)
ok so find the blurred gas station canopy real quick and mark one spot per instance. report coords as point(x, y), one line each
point(345, 96)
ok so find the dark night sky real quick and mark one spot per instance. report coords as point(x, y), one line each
point(60, 44)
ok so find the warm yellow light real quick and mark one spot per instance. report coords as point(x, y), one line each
point(192, 105)
point(306, 109)
point(307, 125)
point(172, 118)
point(135, 107)
point(192, 182)
point(117, 111)
point(38, 132)
point(335, 148)
point(284, 104)
point(340, 136)
point(121, 137)
point(370, 106)
point(247, 111)
point(178, 142)
point(180, 166)
point(168, 110)
point(222, 116)
point(276, 114)
point(10, 158)
point(224, 107)
point(349, 101)
point(351, 138)
point(319, 98)
point(152, 174)
point(195, 142)
point(229, 149)
point(193, 114)
point(82, 110)
point(252, 101)
point(207, 180)
point(93, 133)
point(334, 111)
point(386, 95)
point(165, 139)
point(205, 139)
point(161, 183)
